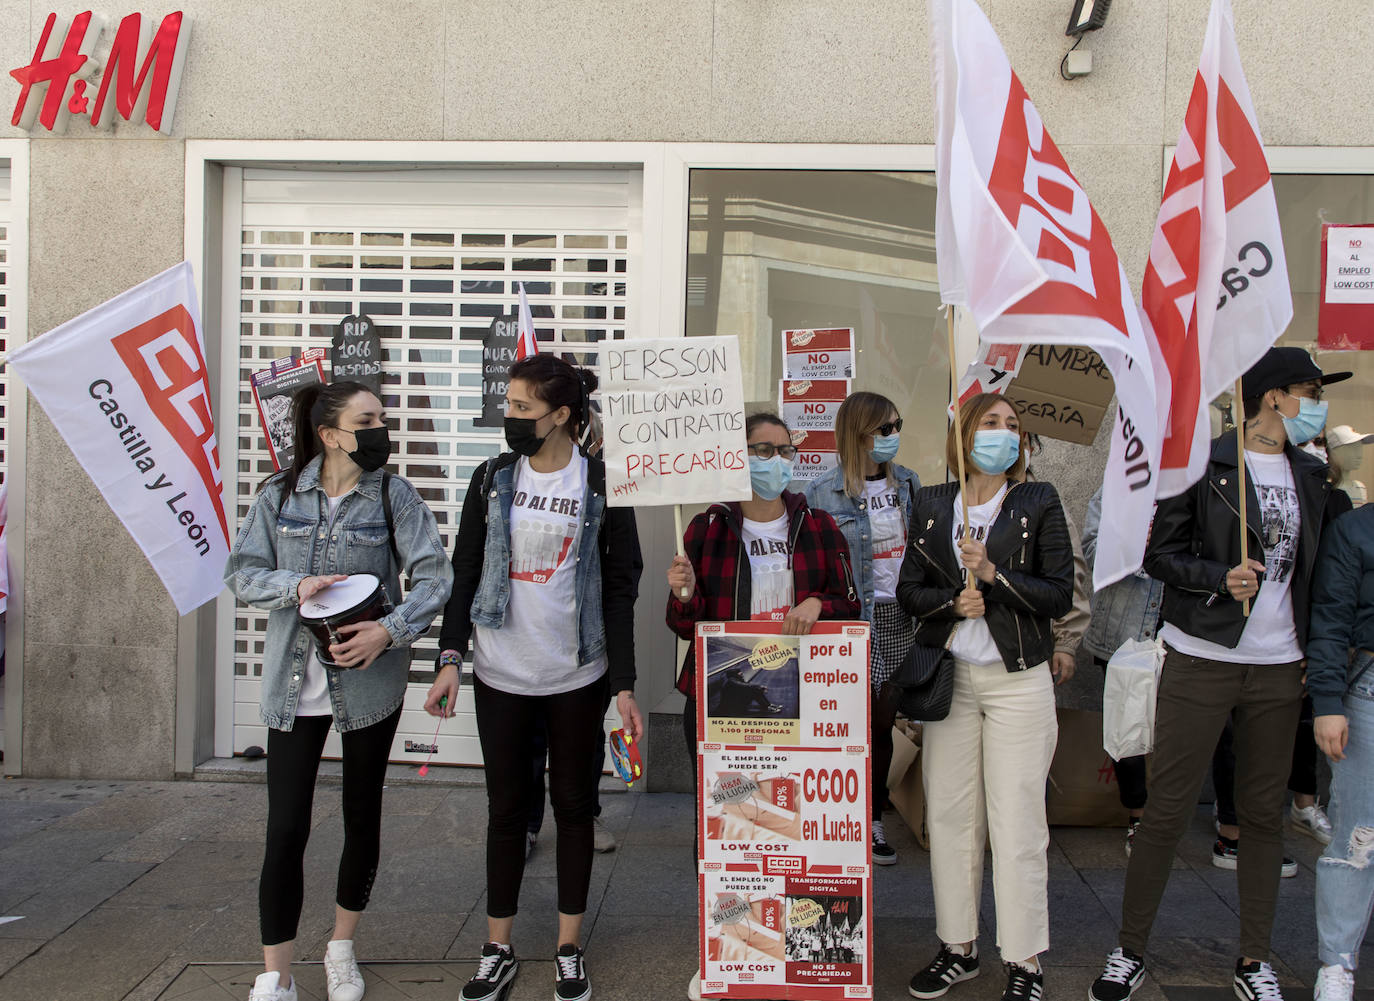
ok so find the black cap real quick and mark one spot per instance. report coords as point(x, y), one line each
point(1282, 367)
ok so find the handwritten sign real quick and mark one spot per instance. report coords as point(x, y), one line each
point(272, 392)
point(1059, 391)
point(673, 413)
point(498, 355)
point(357, 353)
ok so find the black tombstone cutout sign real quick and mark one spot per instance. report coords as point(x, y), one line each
point(498, 355)
point(357, 353)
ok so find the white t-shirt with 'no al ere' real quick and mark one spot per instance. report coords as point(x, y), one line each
point(973, 641)
point(770, 568)
point(887, 528)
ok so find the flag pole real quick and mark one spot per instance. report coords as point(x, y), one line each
point(958, 421)
point(1238, 412)
point(683, 593)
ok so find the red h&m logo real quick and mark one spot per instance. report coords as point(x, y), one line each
point(143, 69)
point(163, 355)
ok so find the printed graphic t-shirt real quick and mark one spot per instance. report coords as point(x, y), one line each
point(314, 697)
point(887, 528)
point(535, 651)
point(770, 568)
point(972, 638)
point(1270, 636)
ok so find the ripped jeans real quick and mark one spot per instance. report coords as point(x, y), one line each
point(1345, 872)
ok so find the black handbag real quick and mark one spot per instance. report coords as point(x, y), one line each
point(923, 686)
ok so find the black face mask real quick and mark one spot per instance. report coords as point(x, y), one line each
point(520, 435)
point(374, 448)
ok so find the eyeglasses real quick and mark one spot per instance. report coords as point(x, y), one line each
point(888, 428)
point(766, 450)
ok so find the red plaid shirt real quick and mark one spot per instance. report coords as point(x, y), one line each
point(820, 569)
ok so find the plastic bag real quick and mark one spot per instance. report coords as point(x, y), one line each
point(1128, 698)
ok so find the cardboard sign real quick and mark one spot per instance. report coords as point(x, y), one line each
point(1345, 316)
point(1059, 391)
point(272, 392)
point(826, 353)
point(356, 355)
point(785, 811)
point(673, 416)
point(498, 355)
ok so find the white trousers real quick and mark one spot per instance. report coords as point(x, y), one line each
point(984, 769)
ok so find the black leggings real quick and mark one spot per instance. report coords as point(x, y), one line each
point(504, 725)
point(293, 759)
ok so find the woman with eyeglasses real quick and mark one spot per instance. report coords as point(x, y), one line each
point(869, 495)
point(771, 558)
point(992, 594)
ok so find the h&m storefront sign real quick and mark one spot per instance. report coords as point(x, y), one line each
point(71, 74)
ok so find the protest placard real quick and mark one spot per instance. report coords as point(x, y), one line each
point(673, 414)
point(822, 353)
point(1059, 391)
point(272, 391)
point(809, 407)
point(784, 811)
point(356, 352)
point(1345, 316)
point(498, 355)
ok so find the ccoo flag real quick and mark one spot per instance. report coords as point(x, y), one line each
point(126, 386)
point(1218, 231)
point(1020, 245)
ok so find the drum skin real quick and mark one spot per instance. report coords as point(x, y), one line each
point(359, 598)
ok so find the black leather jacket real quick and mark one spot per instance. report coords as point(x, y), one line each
point(1028, 544)
point(1196, 539)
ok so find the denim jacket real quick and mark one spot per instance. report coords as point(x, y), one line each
point(826, 493)
point(1341, 632)
point(280, 544)
point(607, 577)
point(1126, 610)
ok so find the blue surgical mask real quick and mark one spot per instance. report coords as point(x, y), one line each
point(885, 447)
point(1308, 424)
point(995, 451)
point(769, 477)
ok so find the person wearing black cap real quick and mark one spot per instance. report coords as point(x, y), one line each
point(1222, 665)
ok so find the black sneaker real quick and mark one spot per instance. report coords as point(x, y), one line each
point(1256, 982)
point(883, 853)
point(945, 970)
point(1119, 978)
point(1225, 853)
point(496, 972)
point(570, 972)
point(1023, 984)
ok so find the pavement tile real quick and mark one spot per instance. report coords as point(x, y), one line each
point(53, 910)
point(651, 881)
point(20, 818)
point(48, 857)
point(536, 925)
point(663, 819)
point(415, 935)
point(202, 876)
point(15, 950)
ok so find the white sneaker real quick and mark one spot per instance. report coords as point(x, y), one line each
point(341, 971)
point(267, 987)
point(1334, 983)
point(1312, 821)
point(602, 839)
point(694, 987)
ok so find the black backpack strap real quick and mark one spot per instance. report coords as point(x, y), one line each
point(390, 520)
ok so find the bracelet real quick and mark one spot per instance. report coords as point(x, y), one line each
point(450, 658)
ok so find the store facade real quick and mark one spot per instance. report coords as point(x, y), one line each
point(717, 167)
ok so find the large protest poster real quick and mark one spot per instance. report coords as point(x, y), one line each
point(673, 416)
point(785, 865)
point(821, 353)
point(273, 389)
point(498, 355)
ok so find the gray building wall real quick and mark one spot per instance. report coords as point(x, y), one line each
point(99, 657)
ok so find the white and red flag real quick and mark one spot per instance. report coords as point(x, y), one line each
point(1019, 244)
point(525, 343)
point(1218, 231)
point(126, 386)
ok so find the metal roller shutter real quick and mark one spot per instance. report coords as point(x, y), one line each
point(431, 256)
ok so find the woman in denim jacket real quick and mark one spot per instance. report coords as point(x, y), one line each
point(869, 496)
point(310, 526)
point(546, 576)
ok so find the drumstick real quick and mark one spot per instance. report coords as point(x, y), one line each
point(434, 744)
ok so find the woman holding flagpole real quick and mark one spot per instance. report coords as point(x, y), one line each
point(310, 526)
point(987, 569)
point(545, 581)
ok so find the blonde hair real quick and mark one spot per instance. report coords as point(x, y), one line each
point(970, 416)
point(859, 415)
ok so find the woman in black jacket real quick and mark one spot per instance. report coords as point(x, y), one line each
point(992, 596)
point(545, 580)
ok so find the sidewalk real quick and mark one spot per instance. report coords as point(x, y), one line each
point(149, 891)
